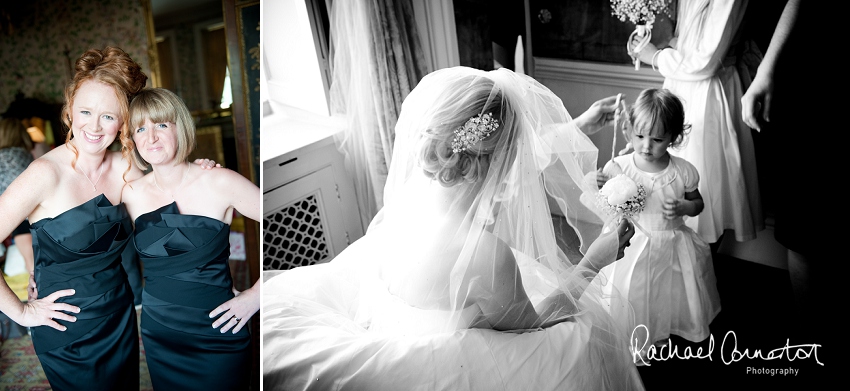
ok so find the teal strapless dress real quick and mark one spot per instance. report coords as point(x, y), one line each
point(81, 249)
point(184, 258)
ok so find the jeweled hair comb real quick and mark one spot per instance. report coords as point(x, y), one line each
point(473, 131)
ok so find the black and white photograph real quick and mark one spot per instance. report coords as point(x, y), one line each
point(541, 195)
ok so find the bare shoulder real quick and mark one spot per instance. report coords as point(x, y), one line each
point(116, 159)
point(219, 177)
point(128, 170)
point(134, 197)
point(493, 251)
point(46, 168)
point(131, 189)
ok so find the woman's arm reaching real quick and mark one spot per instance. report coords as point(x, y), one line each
point(503, 299)
point(599, 255)
point(598, 115)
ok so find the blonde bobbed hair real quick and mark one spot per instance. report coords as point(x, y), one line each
point(159, 105)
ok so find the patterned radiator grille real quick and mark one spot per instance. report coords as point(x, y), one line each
point(294, 236)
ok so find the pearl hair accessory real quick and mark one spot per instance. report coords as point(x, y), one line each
point(474, 130)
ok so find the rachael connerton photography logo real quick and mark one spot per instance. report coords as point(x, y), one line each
point(773, 371)
point(729, 352)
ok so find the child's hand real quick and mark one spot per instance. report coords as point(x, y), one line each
point(601, 178)
point(674, 208)
point(611, 169)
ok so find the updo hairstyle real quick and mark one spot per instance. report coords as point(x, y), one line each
point(462, 100)
point(111, 66)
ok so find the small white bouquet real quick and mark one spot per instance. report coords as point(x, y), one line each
point(621, 197)
point(642, 14)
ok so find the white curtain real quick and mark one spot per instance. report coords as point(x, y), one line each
point(376, 60)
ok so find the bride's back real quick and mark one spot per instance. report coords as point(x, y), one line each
point(424, 255)
point(419, 250)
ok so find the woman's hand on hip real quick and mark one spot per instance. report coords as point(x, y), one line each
point(32, 291)
point(44, 312)
point(236, 312)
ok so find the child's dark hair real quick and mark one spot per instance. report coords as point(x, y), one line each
point(658, 104)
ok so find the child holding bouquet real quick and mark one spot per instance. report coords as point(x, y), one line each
point(666, 274)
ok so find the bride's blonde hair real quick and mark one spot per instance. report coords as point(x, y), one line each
point(463, 99)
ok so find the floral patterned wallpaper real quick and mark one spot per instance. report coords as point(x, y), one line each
point(190, 78)
point(37, 56)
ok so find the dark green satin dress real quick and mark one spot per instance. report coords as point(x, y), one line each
point(184, 258)
point(81, 249)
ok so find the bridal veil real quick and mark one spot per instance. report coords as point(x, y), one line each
point(459, 282)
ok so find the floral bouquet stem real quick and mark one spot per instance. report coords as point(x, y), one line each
point(642, 14)
point(644, 33)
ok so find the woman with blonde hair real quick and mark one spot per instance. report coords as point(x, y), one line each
point(71, 196)
point(184, 246)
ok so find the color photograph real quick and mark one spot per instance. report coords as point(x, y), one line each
point(130, 195)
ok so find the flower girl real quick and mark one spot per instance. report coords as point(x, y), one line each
point(666, 274)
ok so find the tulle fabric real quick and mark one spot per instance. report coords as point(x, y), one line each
point(375, 60)
point(312, 342)
point(459, 282)
point(444, 232)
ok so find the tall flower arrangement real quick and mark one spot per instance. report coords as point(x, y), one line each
point(642, 14)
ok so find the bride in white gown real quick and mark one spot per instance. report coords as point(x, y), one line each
point(459, 282)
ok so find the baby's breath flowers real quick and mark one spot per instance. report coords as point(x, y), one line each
point(642, 14)
point(621, 197)
point(639, 11)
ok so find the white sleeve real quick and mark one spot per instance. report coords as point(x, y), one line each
point(704, 39)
